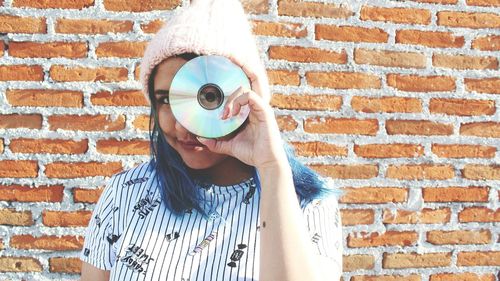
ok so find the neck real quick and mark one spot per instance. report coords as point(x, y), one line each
point(230, 171)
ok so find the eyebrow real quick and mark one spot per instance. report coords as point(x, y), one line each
point(161, 92)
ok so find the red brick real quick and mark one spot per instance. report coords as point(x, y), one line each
point(444, 2)
point(283, 77)
point(19, 193)
point(119, 98)
point(142, 122)
point(48, 50)
point(300, 8)
point(87, 122)
point(462, 107)
point(417, 127)
point(414, 260)
point(415, 83)
point(255, 6)
point(355, 262)
point(279, 29)
point(315, 149)
point(420, 172)
point(59, 146)
point(396, 15)
point(458, 237)
point(357, 216)
point(463, 151)
point(483, 85)
point(434, 39)
point(20, 264)
point(374, 195)
point(83, 195)
point(123, 147)
point(124, 49)
point(12, 121)
point(388, 150)
point(307, 55)
point(389, 58)
point(69, 170)
point(15, 24)
point(343, 80)
point(466, 276)
point(470, 20)
point(46, 242)
point(152, 26)
point(487, 43)
point(425, 216)
point(21, 73)
point(464, 62)
point(350, 34)
point(481, 129)
point(45, 98)
point(92, 26)
point(66, 219)
point(286, 123)
point(386, 104)
point(455, 194)
point(60, 73)
point(388, 238)
point(12, 217)
point(481, 172)
point(483, 2)
point(65, 265)
point(307, 102)
point(140, 6)
point(386, 278)
point(49, 4)
point(18, 169)
point(322, 125)
point(479, 214)
point(491, 258)
point(347, 171)
point(2, 48)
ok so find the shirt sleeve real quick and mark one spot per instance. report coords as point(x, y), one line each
point(325, 229)
point(97, 248)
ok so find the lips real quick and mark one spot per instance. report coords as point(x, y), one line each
point(191, 144)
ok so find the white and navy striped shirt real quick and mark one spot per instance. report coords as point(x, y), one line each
point(137, 238)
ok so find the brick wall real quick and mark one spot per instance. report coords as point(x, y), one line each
point(396, 101)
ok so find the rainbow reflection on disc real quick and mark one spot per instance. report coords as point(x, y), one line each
point(199, 91)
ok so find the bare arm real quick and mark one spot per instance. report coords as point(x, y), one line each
point(92, 273)
point(286, 248)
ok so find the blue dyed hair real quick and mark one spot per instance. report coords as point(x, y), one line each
point(178, 188)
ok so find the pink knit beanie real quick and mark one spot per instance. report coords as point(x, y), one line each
point(207, 27)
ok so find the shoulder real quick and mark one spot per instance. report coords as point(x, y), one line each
point(136, 175)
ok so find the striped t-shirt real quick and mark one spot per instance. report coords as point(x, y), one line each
point(132, 234)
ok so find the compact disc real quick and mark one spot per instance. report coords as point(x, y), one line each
point(199, 91)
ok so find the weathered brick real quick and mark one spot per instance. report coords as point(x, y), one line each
point(84, 195)
point(152, 26)
point(61, 73)
point(374, 195)
point(397, 15)
point(357, 216)
point(386, 104)
point(286, 123)
point(425, 216)
point(464, 62)
point(12, 217)
point(48, 4)
point(45, 98)
point(483, 85)
point(389, 58)
point(21, 73)
point(123, 49)
point(414, 260)
point(420, 172)
point(142, 122)
point(343, 80)
point(459, 237)
point(388, 150)
point(341, 126)
point(20, 264)
point(470, 20)
point(1, 145)
point(59, 146)
point(20, 193)
point(255, 6)
point(47, 242)
point(350, 34)
point(92, 26)
point(119, 98)
point(123, 147)
point(455, 194)
point(87, 122)
point(487, 43)
point(388, 238)
point(483, 2)
point(48, 50)
point(65, 218)
point(481, 172)
point(12, 121)
point(140, 6)
point(315, 148)
point(463, 151)
point(491, 258)
point(438, 1)
point(415, 83)
point(68, 170)
point(307, 55)
point(2, 48)
point(279, 29)
point(479, 214)
point(18, 169)
point(466, 276)
point(434, 39)
point(355, 262)
point(417, 127)
point(284, 77)
point(462, 107)
point(481, 129)
point(300, 8)
point(347, 171)
point(307, 102)
point(65, 265)
point(15, 24)
point(386, 278)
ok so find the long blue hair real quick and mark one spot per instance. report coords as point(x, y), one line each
point(179, 189)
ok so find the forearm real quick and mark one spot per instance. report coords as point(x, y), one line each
point(285, 246)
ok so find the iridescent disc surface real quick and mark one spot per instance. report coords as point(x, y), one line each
point(185, 88)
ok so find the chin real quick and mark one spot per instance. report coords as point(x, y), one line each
point(200, 163)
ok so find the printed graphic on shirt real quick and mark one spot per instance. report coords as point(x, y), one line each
point(136, 259)
point(134, 181)
point(146, 205)
point(237, 254)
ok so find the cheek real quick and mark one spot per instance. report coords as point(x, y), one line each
point(166, 120)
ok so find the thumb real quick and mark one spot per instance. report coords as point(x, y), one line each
point(217, 146)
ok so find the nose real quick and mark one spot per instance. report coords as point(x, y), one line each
point(181, 131)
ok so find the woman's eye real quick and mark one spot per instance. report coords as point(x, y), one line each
point(163, 100)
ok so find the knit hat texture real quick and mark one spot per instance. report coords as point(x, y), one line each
point(207, 27)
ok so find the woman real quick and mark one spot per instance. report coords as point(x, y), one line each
point(235, 208)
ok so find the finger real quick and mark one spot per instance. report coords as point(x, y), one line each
point(228, 107)
point(257, 105)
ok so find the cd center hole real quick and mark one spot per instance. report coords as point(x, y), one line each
point(210, 96)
